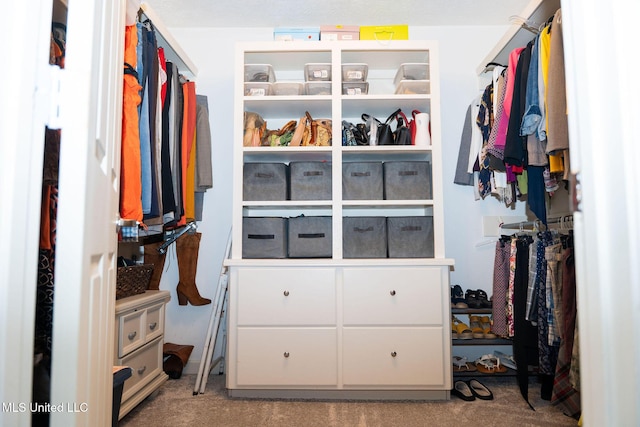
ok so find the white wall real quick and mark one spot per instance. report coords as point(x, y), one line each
point(212, 50)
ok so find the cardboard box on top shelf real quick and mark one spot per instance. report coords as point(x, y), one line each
point(339, 32)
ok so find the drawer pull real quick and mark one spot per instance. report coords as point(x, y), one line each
point(153, 325)
point(286, 293)
point(132, 335)
point(141, 370)
point(394, 354)
point(392, 293)
point(286, 354)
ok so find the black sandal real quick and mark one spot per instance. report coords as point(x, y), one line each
point(483, 300)
point(471, 298)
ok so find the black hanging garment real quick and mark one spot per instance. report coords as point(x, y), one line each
point(525, 339)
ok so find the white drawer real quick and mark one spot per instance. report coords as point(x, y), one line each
point(146, 364)
point(131, 331)
point(283, 297)
point(393, 296)
point(154, 324)
point(393, 357)
point(287, 357)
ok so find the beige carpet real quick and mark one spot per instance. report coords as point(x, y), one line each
point(175, 405)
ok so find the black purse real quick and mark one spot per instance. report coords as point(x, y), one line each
point(385, 135)
point(382, 131)
point(402, 134)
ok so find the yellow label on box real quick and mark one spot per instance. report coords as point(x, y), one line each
point(384, 32)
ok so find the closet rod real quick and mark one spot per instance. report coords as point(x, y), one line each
point(173, 51)
point(564, 219)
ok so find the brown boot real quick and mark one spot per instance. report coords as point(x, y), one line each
point(187, 247)
point(152, 256)
point(175, 358)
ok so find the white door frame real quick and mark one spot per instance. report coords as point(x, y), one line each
point(86, 250)
point(604, 110)
point(90, 106)
point(23, 111)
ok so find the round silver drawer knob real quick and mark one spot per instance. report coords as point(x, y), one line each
point(392, 293)
point(394, 354)
point(153, 325)
point(141, 370)
point(286, 354)
point(132, 335)
point(286, 293)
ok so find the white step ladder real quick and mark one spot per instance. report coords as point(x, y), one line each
point(217, 315)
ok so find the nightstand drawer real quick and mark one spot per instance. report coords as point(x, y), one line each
point(155, 322)
point(131, 331)
point(146, 364)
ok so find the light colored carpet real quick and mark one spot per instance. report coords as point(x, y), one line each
point(175, 405)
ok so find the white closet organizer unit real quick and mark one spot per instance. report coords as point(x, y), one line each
point(339, 327)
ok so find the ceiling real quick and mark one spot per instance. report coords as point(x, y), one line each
point(306, 13)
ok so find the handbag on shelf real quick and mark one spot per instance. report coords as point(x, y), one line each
point(280, 137)
point(254, 128)
point(353, 135)
point(402, 134)
point(421, 131)
point(312, 131)
point(412, 126)
point(371, 127)
point(384, 135)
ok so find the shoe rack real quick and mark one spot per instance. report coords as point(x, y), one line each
point(476, 341)
point(464, 314)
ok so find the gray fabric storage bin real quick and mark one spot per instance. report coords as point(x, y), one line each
point(410, 237)
point(364, 237)
point(310, 237)
point(407, 180)
point(264, 237)
point(265, 181)
point(362, 181)
point(310, 180)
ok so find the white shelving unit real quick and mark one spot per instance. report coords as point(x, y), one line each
point(339, 327)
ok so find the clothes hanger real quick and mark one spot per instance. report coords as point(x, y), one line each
point(525, 24)
point(491, 66)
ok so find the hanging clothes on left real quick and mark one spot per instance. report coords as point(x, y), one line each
point(130, 163)
point(161, 148)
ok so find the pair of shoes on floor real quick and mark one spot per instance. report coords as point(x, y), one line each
point(481, 327)
point(470, 390)
point(477, 299)
point(461, 364)
point(490, 364)
point(457, 297)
